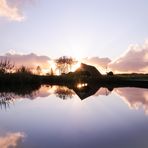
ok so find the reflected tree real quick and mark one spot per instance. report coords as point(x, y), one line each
point(6, 99)
point(63, 92)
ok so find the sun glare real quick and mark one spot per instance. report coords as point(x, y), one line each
point(76, 66)
point(45, 71)
point(52, 65)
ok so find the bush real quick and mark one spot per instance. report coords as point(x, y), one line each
point(24, 70)
point(110, 73)
point(6, 66)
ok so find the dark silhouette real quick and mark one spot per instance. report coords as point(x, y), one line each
point(6, 66)
point(88, 71)
point(110, 73)
point(85, 90)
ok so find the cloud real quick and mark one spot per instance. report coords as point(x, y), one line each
point(135, 59)
point(100, 63)
point(29, 60)
point(134, 97)
point(11, 12)
point(11, 140)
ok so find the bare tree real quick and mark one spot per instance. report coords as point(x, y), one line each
point(64, 64)
point(63, 92)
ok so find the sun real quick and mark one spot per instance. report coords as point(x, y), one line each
point(75, 53)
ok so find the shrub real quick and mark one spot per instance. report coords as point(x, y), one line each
point(6, 66)
point(110, 73)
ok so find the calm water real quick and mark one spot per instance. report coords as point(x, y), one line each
point(55, 117)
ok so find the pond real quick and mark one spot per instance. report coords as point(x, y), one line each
point(58, 117)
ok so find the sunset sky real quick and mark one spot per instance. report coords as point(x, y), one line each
point(79, 28)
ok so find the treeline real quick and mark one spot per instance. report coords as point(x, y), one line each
point(9, 74)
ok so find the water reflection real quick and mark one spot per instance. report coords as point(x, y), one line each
point(6, 99)
point(83, 90)
point(63, 92)
point(135, 98)
point(11, 140)
point(94, 122)
point(81, 85)
point(103, 92)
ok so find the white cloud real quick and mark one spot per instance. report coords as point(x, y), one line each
point(10, 12)
point(135, 59)
point(29, 60)
point(100, 63)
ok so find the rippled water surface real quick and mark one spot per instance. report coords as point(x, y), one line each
point(58, 117)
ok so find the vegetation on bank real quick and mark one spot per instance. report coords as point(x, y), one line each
point(87, 73)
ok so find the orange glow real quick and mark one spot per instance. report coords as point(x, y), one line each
point(45, 71)
point(52, 65)
point(75, 66)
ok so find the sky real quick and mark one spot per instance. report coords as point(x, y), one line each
point(78, 28)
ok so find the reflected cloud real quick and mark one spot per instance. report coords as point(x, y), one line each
point(103, 92)
point(135, 98)
point(11, 140)
point(44, 91)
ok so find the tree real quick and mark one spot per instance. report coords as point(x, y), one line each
point(64, 64)
point(24, 70)
point(39, 70)
point(51, 72)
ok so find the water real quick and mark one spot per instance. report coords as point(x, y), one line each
point(56, 117)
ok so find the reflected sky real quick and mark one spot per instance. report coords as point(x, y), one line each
point(97, 121)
